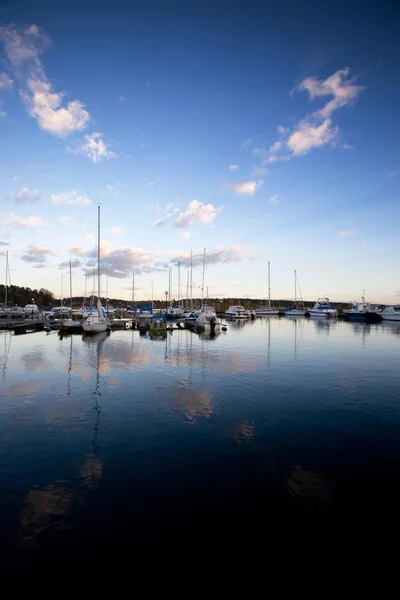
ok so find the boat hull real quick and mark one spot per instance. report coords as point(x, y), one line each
point(390, 316)
point(296, 313)
point(267, 313)
point(325, 314)
point(360, 317)
point(95, 327)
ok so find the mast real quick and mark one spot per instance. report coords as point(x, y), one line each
point(98, 253)
point(187, 290)
point(84, 300)
point(133, 289)
point(6, 290)
point(169, 285)
point(202, 287)
point(152, 295)
point(62, 290)
point(295, 288)
point(179, 283)
point(269, 285)
point(70, 284)
point(191, 279)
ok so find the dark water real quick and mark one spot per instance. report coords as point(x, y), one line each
point(123, 441)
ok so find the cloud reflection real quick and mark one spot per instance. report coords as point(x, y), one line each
point(193, 402)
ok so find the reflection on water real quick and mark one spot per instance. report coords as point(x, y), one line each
point(295, 412)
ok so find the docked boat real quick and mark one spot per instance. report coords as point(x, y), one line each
point(97, 321)
point(251, 314)
point(208, 321)
point(323, 308)
point(362, 311)
point(236, 312)
point(144, 317)
point(158, 324)
point(174, 312)
point(190, 319)
point(31, 309)
point(265, 311)
point(390, 313)
point(298, 309)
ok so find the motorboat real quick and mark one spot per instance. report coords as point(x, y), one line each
point(323, 308)
point(175, 312)
point(158, 324)
point(190, 319)
point(144, 318)
point(390, 313)
point(31, 309)
point(205, 308)
point(236, 312)
point(362, 311)
point(251, 314)
point(208, 321)
point(265, 311)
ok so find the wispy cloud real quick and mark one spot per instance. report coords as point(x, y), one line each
point(346, 146)
point(70, 198)
point(274, 199)
point(95, 148)
point(394, 173)
point(122, 98)
point(5, 81)
point(246, 188)
point(233, 167)
point(196, 212)
point(345, 234)
point(316, 129)
point(65, 219)
point(219, 255)
point(75, 264)
point(185, 235)
point(14, 220)
point(27, 196)
point(23, 49)
point(90, 237)
point(37, 255)
point(112, 188)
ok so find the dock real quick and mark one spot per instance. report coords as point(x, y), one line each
point(22, 325)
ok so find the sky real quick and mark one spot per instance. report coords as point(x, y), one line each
point(259, 131)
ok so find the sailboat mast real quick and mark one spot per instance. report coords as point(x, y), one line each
point(269, 285)
point(202, 287)
point(6, 290)
point(169, 285)
point(187, 289)
point(179, 283)
point(133, 289)
point(98, 252)
point(295, 288)
point(62, 290)
point(191, 279)
point(152, 295)
point(70, 284)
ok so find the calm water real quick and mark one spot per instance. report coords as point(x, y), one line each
point(123, 440)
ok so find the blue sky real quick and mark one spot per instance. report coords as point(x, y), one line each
point(258, 131)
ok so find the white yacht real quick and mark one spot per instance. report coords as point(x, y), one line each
point(323, 308)
point(236, 312)
point(208, 320)
point(175, 312)
point(390, 313)
point(31, 309)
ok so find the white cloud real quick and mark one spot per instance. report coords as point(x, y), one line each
point(75, 264)
point(345, 234)
point(115, 230)
point(5, 81)
point(95, 148)
point(308, 136)
point(274, 199)
point(70, 198)
point(247, 188)
point(233, 167)
point(160, 222)
point(45, 105)
point(316, 129)
point(90, 237)
point(23, 49)
point(15, 221)
point(112, 188)
point(77, 250)
point(196, 212)
point(65, 219)
point(185, 235)
point(394, 173)
point(26, 196)
point(219, 255)
point(37, 255)
point(347, 146)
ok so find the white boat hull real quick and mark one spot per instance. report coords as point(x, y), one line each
point(323, 313)
point(267, 313)
point(96, 327)
point(390, 316)
point(295, 313)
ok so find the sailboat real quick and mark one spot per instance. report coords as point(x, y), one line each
point(97, 321)
point(298, 310)
point(267, 310)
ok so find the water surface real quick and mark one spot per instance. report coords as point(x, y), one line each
point(125, 440)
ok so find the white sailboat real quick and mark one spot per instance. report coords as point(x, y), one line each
point(267, 310)
point(296, 311)
point(97, 321)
